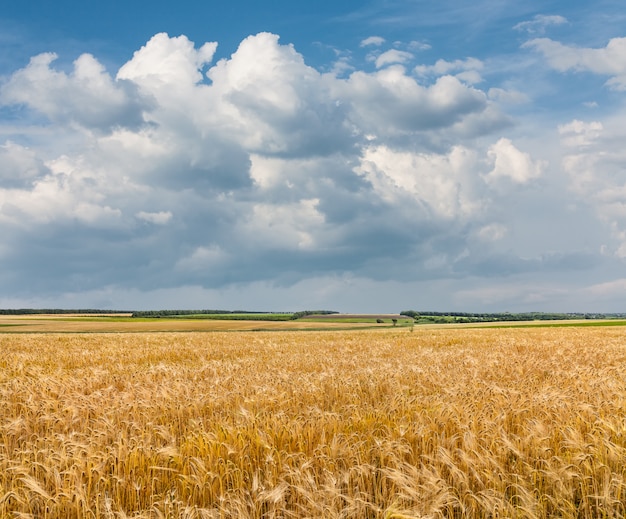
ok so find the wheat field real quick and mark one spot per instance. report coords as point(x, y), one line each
point(394, 424)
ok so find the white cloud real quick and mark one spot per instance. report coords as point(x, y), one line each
point(393, 56)
point(265, 171)
point(96, 215)
point(267, 98)
point(443, 184)
point(594, 160)
point(608, 61)
point(467, 70)
point(67, 191)
point(578, 133)
point(292, 176)
point(419, 46)
point(492, 232)
point(19, 165)
point(341, 66)
point(389, 101)
point(52, 200)
point(168, 61)
point(376, 41)
point(293, 226)
point(513, 164)
point(587, 160)
point(158, 218)
point(539, 23)
point(88, 96)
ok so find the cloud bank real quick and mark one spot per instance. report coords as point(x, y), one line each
point(178, 171)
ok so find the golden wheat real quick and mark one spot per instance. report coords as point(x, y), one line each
point(486, 423)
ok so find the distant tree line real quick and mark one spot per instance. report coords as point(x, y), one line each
point(504, 316)
point(304, 313)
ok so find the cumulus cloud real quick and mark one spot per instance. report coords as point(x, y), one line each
point(393, 56)
point(579, 133)
point(66, 192)
point(287, 226)
point(390, 101)
point(513, 164)
point(158, 218)
point(492, 232)
point(273, 102)
point(19, 166)
point(440, 185)
point(594, 161)
point(508, 96)
point(172, 62)
point(467, 70)
point(419, 45)
point(606, 61)
point(375, 41)
point(88, 96)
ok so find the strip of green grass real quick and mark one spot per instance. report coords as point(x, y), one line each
point(544, 324)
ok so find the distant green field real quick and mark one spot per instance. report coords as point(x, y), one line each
point(332, 318)
point(560, 324)
point(372, 320)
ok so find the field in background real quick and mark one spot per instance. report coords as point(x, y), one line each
point(118, 323)
point(390, 423)
point(59, 323)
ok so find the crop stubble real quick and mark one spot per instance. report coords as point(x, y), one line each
point(434, 423)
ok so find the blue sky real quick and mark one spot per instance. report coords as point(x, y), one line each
point(367, 156)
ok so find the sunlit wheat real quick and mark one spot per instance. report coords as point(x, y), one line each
point(485, 423)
